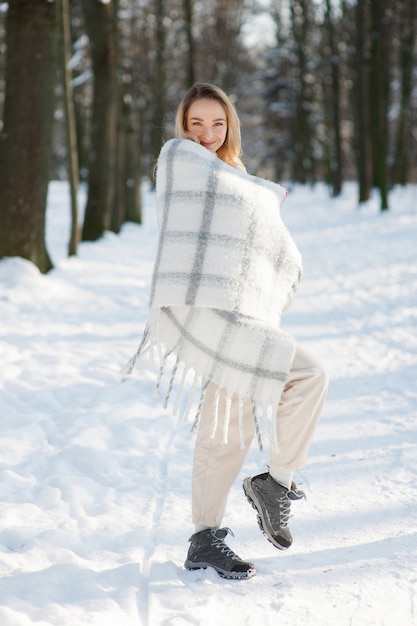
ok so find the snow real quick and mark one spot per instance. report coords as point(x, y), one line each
point(95, 475)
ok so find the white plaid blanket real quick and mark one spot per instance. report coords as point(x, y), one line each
point(226, 268)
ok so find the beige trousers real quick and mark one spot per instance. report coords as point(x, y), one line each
point(217, 465)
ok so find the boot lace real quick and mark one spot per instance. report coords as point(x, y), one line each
point(284, 510)
point(284, 504)
point(221, 545)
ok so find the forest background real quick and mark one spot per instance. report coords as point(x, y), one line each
point(326, 91)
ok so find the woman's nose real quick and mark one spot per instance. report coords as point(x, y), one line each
point(207, 133)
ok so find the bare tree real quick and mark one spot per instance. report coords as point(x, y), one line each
point(189, 20)
point(159, 78)
point(131, 175)
point(379, 93)
point(303, 154)
point(26, 137)
point(336, 139)
point(402, 153)
point(70, 125)
point(127, 200)
point(362, 118)
point(100, 20)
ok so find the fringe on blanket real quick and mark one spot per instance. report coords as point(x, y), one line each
point(183, 375)
point(170, 373)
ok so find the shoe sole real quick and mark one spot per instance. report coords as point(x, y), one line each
point(252, 499)
point(223, 573)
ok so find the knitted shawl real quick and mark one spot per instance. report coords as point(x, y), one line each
point(225, 270)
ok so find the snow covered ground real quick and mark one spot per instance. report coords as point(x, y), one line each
point(95, 475)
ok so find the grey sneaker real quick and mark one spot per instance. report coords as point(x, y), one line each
point(272, 502)
point(208, 549)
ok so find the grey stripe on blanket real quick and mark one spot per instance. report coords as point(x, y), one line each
point(221, 355)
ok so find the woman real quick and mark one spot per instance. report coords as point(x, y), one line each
point(226, 269)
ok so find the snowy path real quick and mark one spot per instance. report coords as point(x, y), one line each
point(95, 476)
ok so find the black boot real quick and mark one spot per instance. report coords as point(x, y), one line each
point(208, 549)
point(272, 502)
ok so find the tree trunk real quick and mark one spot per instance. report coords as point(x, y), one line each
point(188, 12)
point(364, 158)
point(401, 164)
point(379, 79)
point(303, 159)
point(100, 23)
point(26, 138)
point(70, 125)
point(159, 80)
point(119, 210)
point(132, 192)
point(336, 153)
point(127, 205)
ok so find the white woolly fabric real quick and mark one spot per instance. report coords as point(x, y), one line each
point(226, 269)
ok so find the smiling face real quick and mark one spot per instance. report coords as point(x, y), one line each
point(207, 120)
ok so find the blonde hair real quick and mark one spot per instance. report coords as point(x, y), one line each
point(231, 150)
